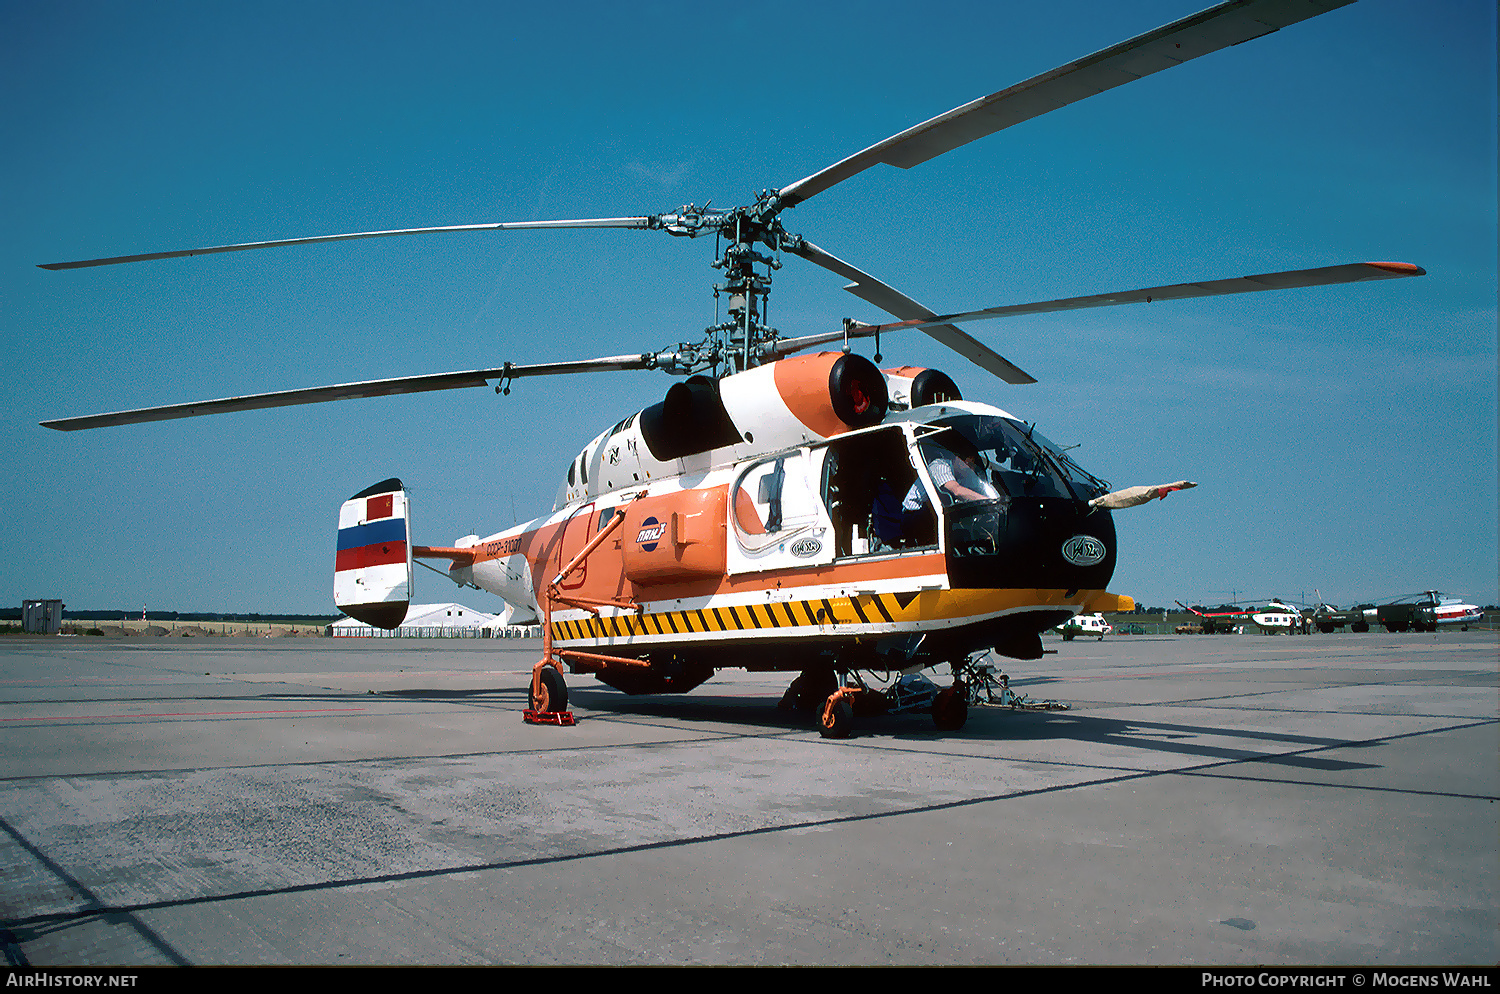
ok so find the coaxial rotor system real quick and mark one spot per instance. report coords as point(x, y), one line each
point(743, 341)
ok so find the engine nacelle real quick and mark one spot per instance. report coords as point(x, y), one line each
point(703, 423)
point(915, 386)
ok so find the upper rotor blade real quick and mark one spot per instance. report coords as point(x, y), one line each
point(346, 391)
point(1207, 31)
point(895, 302)
point(600, 222)
point(1354, 272)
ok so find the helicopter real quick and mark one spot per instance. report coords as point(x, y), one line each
point(810, 513)
point(1276, 617)
point(1424, 612)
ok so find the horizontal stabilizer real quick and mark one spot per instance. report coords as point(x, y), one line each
point(372, 565)
point(463, 557)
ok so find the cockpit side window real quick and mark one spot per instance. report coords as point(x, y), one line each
point(960, 472)
point(1001, 453)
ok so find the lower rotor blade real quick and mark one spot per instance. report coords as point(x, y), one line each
point(601, 222)
point(347, 391)
point(893, 301)
point(1354, 272)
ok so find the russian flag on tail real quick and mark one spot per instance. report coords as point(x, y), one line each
point(372, 565)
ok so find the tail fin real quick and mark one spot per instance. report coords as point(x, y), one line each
point(372, 569)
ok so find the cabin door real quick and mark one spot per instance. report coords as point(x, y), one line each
point(777, 515)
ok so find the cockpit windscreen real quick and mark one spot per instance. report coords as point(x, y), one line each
point(1007, 457)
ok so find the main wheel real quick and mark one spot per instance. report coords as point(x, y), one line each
point(810, 689)
point(950, 710)
point(834, 722)
point(554, 695)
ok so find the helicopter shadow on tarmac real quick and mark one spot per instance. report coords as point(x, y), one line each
point(992, 724)
point(760, 714)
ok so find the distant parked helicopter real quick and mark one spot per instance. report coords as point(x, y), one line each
point(1276, 617)
point(1425, 612)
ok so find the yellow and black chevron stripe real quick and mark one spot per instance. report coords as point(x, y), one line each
point(903, 609)
point(864, 609)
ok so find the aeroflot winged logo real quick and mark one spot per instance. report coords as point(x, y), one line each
point(650, 533)
point(1083, 550)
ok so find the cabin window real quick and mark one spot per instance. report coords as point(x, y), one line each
point(774, 501)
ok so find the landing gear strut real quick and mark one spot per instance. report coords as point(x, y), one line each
point(836, 712)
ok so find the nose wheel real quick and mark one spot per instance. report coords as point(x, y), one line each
point(836, 716)
point(949, 707)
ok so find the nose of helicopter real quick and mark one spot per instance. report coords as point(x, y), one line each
point(1030, 542)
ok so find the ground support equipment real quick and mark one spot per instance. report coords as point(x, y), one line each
point(990, 687)
point(548, 717)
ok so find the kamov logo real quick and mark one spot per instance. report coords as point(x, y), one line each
point(806, 548)
point(1083, 550)
point(650, 533)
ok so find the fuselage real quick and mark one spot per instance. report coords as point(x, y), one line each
point(1278, 617)
point(806, 535)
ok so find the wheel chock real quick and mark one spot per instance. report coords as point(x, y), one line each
point(548, 717)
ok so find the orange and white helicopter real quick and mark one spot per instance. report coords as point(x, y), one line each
point(810, 513)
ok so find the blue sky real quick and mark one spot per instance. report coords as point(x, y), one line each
point(1344, 437)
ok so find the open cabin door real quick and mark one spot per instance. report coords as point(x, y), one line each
point(777, 518)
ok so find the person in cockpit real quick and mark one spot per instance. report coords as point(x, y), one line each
point(955, 471)
point(956, 468)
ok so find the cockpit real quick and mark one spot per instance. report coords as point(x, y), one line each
point(1001, 458)
point(997, 497)
point(1005, 506)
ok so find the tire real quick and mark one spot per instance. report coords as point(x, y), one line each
point(950, 711)
point(813, 687)
point(835, 722)
point(554, 696)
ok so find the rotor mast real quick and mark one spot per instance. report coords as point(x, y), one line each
point(741, 341)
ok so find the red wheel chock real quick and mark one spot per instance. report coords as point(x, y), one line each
point(548, 717)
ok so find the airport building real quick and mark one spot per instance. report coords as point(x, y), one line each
point(42, 617)
point(437, 621)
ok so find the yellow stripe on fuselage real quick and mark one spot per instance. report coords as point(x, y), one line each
point(884, 613)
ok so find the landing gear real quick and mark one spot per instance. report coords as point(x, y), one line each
point(553, 692)
point(835, 713)
point(547, 700)
point(836, 717)
point(810, 690)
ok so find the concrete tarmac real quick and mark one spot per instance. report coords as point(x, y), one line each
point(1318, 800)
